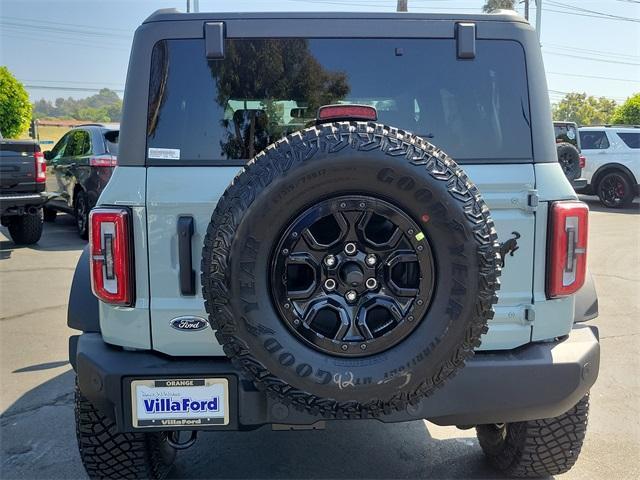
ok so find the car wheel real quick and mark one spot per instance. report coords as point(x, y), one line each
point(81, 209)
point(615, 190)
point(26, 229)
point(350, 269)
point(537, 448)
point(50, 214)
point(107, 453)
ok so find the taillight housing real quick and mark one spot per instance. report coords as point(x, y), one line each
point(41, 167)
point(568, 232)
point(329, 113)
point(582, 160)
point(111, 255)
point(103, 161)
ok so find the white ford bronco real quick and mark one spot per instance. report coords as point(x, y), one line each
point(310, 220)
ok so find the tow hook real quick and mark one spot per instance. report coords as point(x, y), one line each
point(173, 439)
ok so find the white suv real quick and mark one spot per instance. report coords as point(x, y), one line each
point(612, 166)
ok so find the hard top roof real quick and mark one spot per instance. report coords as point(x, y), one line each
point(171, 14)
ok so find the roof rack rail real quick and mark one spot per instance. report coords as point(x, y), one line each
point(610, 125)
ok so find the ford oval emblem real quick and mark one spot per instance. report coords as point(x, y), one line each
point(188, 323)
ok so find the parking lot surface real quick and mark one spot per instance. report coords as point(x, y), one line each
point(37, 431)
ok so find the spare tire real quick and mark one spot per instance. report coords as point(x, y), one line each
point(350, 269)
point(569, 159)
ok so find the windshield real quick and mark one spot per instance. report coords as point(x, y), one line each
point(231, 109)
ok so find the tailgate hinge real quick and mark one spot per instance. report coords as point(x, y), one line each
point(530, 314)
point(532, 200)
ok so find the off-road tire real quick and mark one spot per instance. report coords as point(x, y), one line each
point(626, 185)
point(26, 229)
point(106, 453)
point(277, 167)
point(537, 448)
point(81, 212)
point(50, 214)
point(569, 159)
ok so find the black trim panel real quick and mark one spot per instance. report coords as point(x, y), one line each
point(82, 312)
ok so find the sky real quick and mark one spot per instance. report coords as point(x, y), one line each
point(72, 48)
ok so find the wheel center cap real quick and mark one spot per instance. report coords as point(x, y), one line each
point(351, 273)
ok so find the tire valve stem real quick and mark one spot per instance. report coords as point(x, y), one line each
point(344, 346)
point(363, 346)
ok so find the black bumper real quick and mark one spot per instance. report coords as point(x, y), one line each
point(539, 380)
point(17, 202)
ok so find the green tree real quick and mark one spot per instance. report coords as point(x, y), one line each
point(629, 112)
point(105, 106)
point(493, 5)
point(15, 108)
point(584, 109)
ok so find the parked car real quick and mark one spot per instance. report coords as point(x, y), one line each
point(79, 167)
point(22, 189)
point(613, 163)
point(568, 149)
point(248, 270)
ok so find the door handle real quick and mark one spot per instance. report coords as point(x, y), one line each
point(186, 273)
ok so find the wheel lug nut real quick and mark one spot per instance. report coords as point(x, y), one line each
point(329, 284)
point(371, 260)
point(371, 283)
point(330, 260)
point(351, 296)
point(350, 248)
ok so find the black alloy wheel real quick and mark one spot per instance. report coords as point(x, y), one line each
point(352, 275)
point(614, 190)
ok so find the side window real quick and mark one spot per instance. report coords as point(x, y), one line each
point(59, 148)
point(79, 144)
point(631, 139)
point(594, 140)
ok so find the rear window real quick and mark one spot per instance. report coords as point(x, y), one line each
point(13, 149)
point(111, 141)
point(264, 89)
point(631, 139)
point(594, 140)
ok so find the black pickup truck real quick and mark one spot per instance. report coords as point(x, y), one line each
point(22, 189)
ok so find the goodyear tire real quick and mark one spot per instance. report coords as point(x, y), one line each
point(107, 453)
point(569, 158)
point(347, 172)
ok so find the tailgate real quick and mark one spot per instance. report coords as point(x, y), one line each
point(17, 166)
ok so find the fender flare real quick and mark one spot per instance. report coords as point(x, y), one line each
point(83, 313)
point(612, 166)
point(586, 307)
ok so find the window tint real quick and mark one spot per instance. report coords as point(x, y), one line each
point(79, 143)
point(111, 141)
point(631, 139)
point(264, 89)
point(594, 140)
point(58, 150)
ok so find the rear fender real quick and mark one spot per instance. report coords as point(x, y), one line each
point(83, 313)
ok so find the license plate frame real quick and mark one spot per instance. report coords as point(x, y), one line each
point(213, 391)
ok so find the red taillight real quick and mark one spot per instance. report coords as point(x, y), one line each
point(103, 161)
point(347, 112)
point(582, 161)
point(109, 244)
point(41, 167)
point(569, 226)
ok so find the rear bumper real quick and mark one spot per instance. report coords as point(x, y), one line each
point(579, 184)
point(17, 202)
point(539, 380)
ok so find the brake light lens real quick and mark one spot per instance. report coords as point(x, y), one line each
point(347, 112)
point(41, 167)
point(103, 161)
point(111, 256)
point(569, 228)
point(582, 161)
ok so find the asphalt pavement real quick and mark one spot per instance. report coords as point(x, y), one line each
point(37, 431)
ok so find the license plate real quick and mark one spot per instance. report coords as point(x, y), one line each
point(180, 402)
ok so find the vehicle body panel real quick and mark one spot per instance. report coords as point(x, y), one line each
point(18, 187)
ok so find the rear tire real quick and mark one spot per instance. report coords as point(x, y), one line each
point(50, 214)
point(107, 453)
point(26, 229)
point(569, 159)
point(81, 210)
point(615, 190)
point(537, 448)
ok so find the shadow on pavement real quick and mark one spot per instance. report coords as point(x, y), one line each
point(38, 441)
point(60, 235)
point(41, 366)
